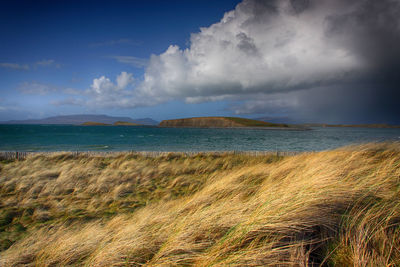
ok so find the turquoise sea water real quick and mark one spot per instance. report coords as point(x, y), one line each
point(123, 138)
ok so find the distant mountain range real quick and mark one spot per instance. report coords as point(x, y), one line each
point(82, 118)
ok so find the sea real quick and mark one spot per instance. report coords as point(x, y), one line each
point(29, 138)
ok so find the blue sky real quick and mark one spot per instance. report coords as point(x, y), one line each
point(307, 60)
point(49, 46)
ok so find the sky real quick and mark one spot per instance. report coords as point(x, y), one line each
point(306, 60)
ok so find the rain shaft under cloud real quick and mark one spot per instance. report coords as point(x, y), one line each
point(319, 60)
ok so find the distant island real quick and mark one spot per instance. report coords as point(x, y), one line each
point(84, 118)
point(200, 122)
point(220, 122)
point(117, 123)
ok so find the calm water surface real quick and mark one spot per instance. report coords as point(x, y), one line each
point(122, 138)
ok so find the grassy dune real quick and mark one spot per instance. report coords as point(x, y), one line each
point(339, 207)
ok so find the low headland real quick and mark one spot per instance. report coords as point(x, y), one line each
point(117, 123)
point(221, 122)
point(330, 208)
point(125, 123)
point(201, 122)
point(208, 122)
point(94, 123)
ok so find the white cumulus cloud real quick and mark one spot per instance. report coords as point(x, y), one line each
point(124, 79)
point(104, 85)
point(105, 93)
point(293, 56)
point(257, 48)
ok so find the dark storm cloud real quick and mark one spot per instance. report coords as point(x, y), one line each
point(369, 30)
point(372, 31)
point(320, 60)
point(299, 5)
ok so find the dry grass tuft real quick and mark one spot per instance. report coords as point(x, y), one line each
point(333, 208)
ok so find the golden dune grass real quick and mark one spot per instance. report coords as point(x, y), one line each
point(339, 207)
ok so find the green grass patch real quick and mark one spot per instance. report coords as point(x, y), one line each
point(256, 123)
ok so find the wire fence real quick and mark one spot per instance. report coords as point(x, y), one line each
point(21, 155)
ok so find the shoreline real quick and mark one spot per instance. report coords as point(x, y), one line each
point(21, 155)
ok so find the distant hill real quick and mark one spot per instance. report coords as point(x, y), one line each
point(82, 118)
point(217, 122)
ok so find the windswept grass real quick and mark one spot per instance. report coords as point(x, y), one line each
point(335, 208)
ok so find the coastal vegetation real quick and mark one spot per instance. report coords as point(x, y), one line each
point(125, 123)
point(219, 122)
point(117, 123)
point(332, 208)
point(93, 123)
